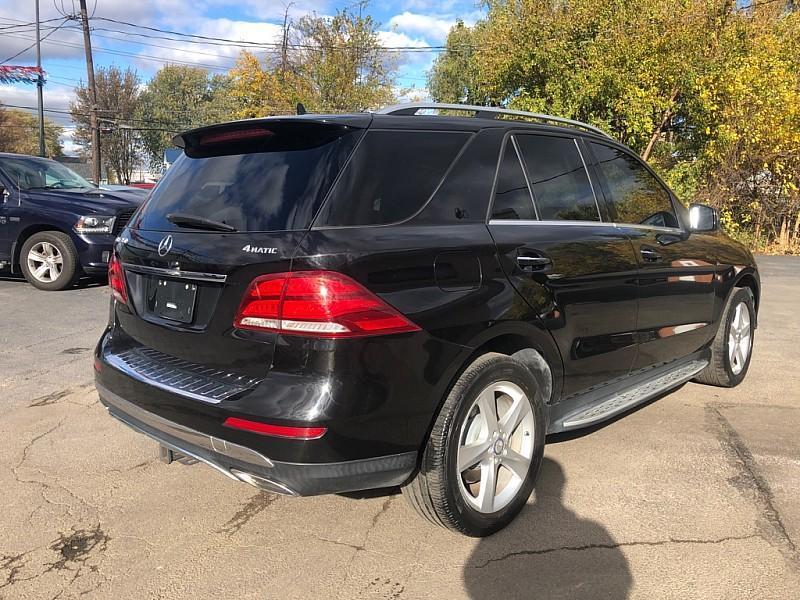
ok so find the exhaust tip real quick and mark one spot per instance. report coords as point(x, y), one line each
point(263, 483)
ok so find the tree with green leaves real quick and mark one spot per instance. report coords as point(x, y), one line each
point(19, 133)
point(179, 98)
point(706, 90)
point(342, 60)
point(330, 64)
point(118, 102)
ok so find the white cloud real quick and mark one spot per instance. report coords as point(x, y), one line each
point(68, 143)
point(56, 97)
point(431, 28)
point(222, 56)
point(440, 5)
point(395, 39)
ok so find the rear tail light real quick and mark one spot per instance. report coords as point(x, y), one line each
point(238, 135)
point(116, 280)
point(318, 304)
point(283, 431)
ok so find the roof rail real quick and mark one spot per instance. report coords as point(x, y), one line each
point(486, 112)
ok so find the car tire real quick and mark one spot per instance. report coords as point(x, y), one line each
point(51, 275)
point(454, 497)
point(732, 347)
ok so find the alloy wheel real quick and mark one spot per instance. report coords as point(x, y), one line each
point(739, 338)
point(495, 447)
point(45, 262)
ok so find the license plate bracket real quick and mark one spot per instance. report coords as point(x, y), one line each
point(173, 300)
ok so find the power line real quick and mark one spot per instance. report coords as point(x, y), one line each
point(33, 44)
point(133, 54)
point(27, 24)
point(245, 43)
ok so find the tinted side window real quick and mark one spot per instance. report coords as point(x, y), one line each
point(560, 184)
point(637, 196)
point(391, 176)
point(512, 200)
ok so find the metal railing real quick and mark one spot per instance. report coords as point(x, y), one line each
point(487, 112)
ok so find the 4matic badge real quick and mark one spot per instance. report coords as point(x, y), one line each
point(259, 249)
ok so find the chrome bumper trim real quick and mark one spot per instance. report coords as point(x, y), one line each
point(249, 466)
point(120, 408)
point(177, 273)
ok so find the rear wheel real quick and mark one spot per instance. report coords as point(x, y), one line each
point(484, 452)
point(49, 260)
point(733, 343)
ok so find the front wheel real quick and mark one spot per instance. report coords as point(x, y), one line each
point(49, 260)
point(481, 461)
point(733, 343)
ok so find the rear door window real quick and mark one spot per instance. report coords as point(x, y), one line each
point(637, 196)
point(270, 184)
point(558, 178)
point(512, 198)
point(391, 176)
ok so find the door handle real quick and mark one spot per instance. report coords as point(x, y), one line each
point(650, 255)
point(531, 263)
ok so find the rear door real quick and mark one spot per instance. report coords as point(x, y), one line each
point(676, 276)
point(234, 207)
point(576, 269)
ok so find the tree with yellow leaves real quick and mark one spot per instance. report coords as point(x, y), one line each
point(330, 64)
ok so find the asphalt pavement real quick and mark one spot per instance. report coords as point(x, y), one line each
point(694, 495)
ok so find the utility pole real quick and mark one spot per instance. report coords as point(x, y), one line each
point(39, 84)
point(87, 45)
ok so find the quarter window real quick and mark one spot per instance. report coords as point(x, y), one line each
point(391, 176)
point(637, 197)
point(512, 199)
point(558, 178)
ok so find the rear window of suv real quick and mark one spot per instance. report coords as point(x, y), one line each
point(270, 183)
point(391, 176)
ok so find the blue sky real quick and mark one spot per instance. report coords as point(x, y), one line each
point(415, 23)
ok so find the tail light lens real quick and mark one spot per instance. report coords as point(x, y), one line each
point(116, 280)
point(318, 304)
point(283, 431)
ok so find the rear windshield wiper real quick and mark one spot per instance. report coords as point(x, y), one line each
point(184, 220)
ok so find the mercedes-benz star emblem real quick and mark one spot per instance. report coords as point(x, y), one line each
point(164, 246)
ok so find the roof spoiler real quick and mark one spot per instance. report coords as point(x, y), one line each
point(306, 128)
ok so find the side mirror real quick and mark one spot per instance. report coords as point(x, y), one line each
point(702, 218)
point(5, 194)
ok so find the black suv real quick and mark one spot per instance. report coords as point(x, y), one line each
point(322, 304)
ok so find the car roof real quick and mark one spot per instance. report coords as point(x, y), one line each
point(409, 122)
point(15, 155)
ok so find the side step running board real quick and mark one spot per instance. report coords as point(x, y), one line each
point(607, 407)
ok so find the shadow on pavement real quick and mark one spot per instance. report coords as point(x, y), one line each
point(84, 281)
point(548, 552)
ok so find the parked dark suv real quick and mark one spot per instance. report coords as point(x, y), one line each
point(323, 304)
point(55, 225)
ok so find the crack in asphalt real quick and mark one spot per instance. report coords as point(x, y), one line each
point(55, 397)
point(247, 511)
point(356, 547)
point(14, 564)
point(615, 546)
point(30, 444)
point(43, 485)
point(751, 483)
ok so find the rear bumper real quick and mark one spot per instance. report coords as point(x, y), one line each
point(245, 464)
